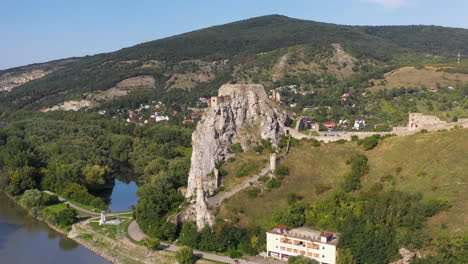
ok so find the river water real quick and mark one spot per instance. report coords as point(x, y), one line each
point(25, 240)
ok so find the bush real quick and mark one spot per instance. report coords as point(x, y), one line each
point(321, 188)
point(369, 143)
point(301, 260)
point(151, 243)
point(65, 217)
point(31, 198)
point(264, 178)
point(237, 148)
point(340, 142)
point(292, 198)
point(252, 193)
point(235, 254)
point(432, 207)
point(246, 169)
point(273, 184)
point(281, 170)
point(258, 149)
point(184, 255)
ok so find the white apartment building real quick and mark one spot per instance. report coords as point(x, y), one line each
point(283, 242)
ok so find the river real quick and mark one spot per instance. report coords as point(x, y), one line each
point(25, 240)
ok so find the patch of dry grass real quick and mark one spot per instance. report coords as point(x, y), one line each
point(412, 77)
point(434, 164)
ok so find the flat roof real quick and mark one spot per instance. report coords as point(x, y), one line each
point(306, 233)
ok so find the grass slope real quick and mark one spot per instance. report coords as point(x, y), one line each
point(433, 164)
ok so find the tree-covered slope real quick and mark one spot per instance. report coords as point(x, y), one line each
point(440, 41)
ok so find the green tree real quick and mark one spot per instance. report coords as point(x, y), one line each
point(184, 255)
point(95, 175)
point(151, 243)
point(65, 217)
point(207, 239)
point(189, 235)
point(345, 256)
point(31, 198)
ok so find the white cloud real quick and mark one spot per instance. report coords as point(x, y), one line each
point(389, 4)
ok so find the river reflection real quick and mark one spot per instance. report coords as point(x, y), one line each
point(26, 240)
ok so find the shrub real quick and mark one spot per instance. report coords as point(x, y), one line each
point(31, 198)
point(235, 254)
point(246, 169)
point(273, 184)
point(281, 170)
point(264, 178)
point(65, 217)
point(231, 159)
point(184, 255)
point(292, 198)
point(237, 148)
point(315, 143)
point(252, 193)
point(340, 142)
point(432, 207)
point(369, 143)
point(151, 243)
point(301, 260)
point(258, 149)
point(321, 188)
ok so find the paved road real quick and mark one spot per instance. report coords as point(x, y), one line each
point(137, 234)
point(82, 209)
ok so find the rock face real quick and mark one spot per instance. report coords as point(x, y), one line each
point(240, 114)
point(407, 255)
point(10, 80)
point(71, 105)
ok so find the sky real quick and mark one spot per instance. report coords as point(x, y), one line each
point(35, 31)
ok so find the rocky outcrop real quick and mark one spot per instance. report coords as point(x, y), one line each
point(10, 80)
point(71, 105)
point(407, 255)
point(240, 114)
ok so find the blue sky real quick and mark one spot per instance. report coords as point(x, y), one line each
point(41, 30)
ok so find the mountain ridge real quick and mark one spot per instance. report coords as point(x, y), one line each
point(231, 44)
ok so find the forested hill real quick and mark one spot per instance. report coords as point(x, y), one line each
point(208, 57)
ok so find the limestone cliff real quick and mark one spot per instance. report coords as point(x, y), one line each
point(10, 80)
point(240, 114)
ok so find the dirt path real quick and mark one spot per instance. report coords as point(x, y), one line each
point(219, 198)
point(61, 199)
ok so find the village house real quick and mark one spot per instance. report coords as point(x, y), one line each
point(344, 96)
point(329, 125)
point(159, 118)
point(359, 124)
point(321, 246)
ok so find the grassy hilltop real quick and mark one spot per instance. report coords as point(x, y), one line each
point(433, 164)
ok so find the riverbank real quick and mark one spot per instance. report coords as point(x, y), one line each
point(119, 251)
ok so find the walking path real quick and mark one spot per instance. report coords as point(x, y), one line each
point(61, 199)
point(219, 198)
point(136, 234)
